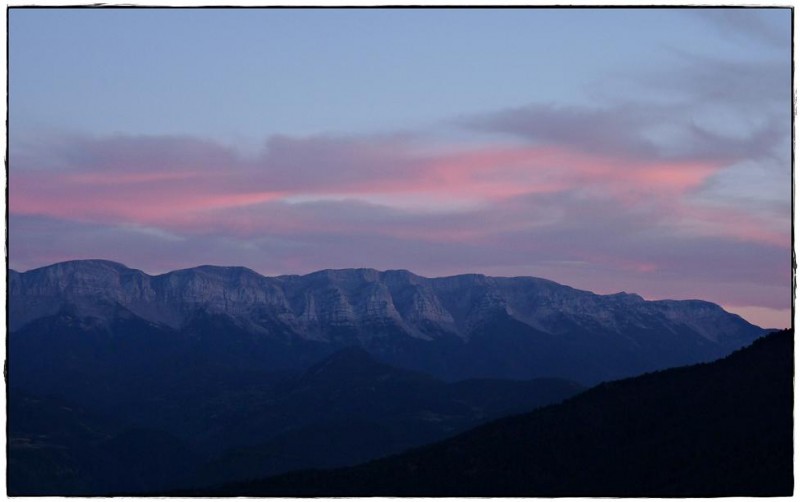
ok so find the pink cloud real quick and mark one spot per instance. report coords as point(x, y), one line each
point(500, 173)
point(199, 186)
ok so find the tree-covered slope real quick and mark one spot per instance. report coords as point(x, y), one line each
point(716, 429)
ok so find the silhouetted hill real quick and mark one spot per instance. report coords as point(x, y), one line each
point(350, 408)
point(717, 429)
point(195, 427)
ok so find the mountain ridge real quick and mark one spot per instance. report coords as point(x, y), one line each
point(338, 273)
point(441, 325)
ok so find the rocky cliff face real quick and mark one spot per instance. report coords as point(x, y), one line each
point(386, 312)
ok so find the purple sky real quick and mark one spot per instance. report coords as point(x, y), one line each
point(647, 150)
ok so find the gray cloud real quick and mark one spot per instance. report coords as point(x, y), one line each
point(612, 130)
point(748, 24)
point(724, 111)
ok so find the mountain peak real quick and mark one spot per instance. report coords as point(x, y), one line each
point(622, 295)
point(351, 366)
point(218, 271)
point(86, 264)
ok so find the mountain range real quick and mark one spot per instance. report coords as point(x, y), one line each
point(466, 326)
point(123, 382)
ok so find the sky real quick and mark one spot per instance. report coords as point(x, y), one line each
point(639, 150)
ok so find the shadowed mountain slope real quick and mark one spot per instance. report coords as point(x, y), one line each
point(165, 429)
point(716, 429)
point(60, 448)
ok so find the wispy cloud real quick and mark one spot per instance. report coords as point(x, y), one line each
point(188, 190)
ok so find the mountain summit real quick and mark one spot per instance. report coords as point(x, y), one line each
point(454, 327)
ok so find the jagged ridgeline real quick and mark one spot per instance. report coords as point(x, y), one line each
point(457, 327)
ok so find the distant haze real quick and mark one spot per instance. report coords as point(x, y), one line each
point(644, 150)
